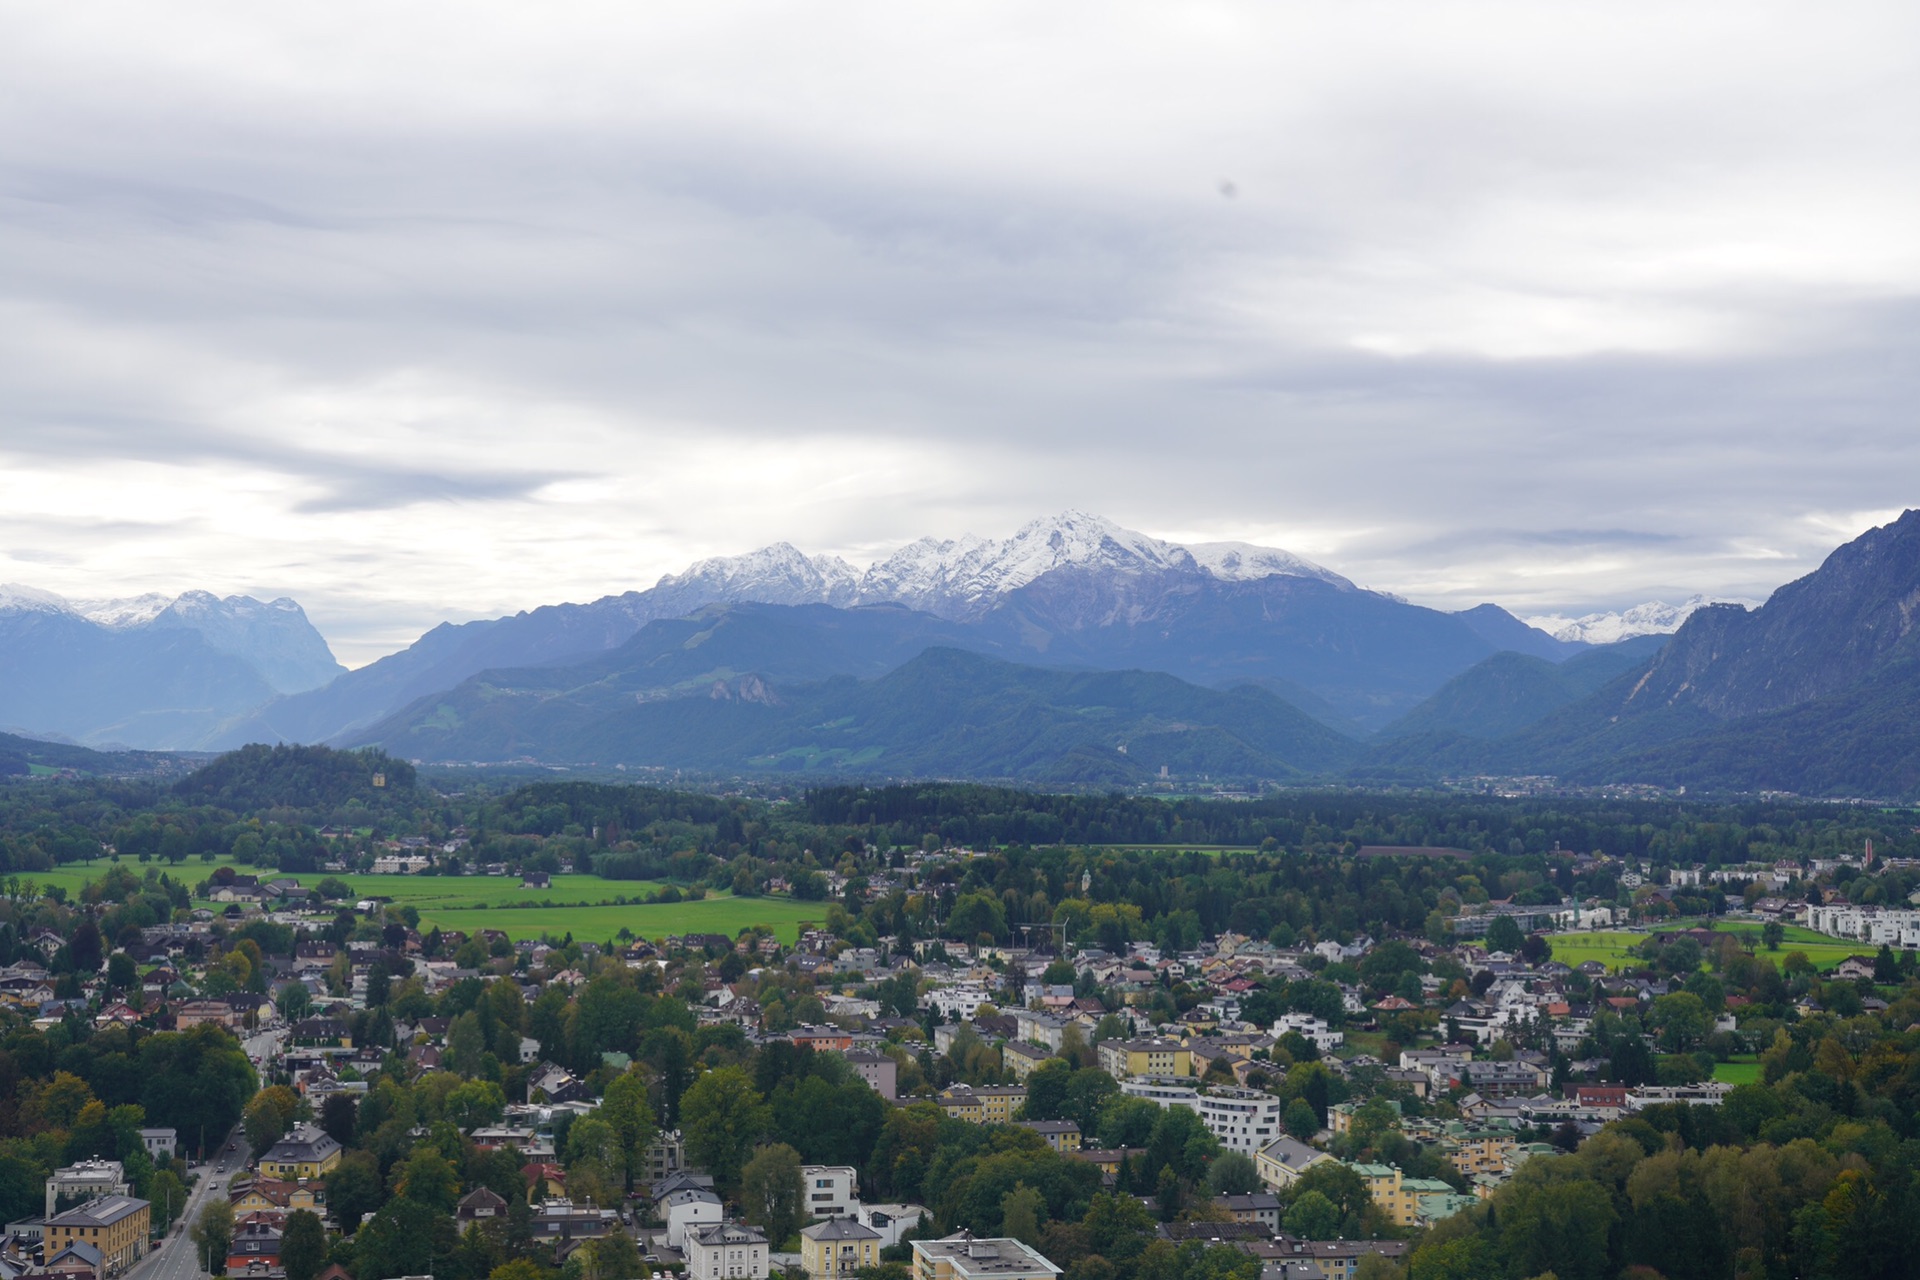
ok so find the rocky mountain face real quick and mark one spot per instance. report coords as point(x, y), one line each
point(1814, 638)
point(1811, 692)
point(153, 672)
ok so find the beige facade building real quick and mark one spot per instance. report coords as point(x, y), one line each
point(837, 1248)
point(115, 1225)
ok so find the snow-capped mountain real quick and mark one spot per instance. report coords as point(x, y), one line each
point(778, 574)
point(1654, 618)
point(273, 637)
point(964, 577)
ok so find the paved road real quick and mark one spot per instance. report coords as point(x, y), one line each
point(178, 1258)
point(264, 1045)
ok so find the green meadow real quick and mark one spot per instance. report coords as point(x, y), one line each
point(1614, 948)
point(583, 905)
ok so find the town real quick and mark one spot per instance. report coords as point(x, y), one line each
point(1319, 1063)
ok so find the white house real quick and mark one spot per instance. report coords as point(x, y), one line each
point(689, 1209)
point(833, 1191)
point(891, 1220)
point(725, 1251)
point(1317, 1030)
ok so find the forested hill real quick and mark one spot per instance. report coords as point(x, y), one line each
point(294, 777)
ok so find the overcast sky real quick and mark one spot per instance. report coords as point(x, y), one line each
point(439, 311)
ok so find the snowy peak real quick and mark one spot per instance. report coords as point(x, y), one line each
point(134, 611)
point(15, 598)
point(273, 637)
point(959, 577)
point(1245, 562)
point(779, 574)
point(1654, 618)
point(969, 575)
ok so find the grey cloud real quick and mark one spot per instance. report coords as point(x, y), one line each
point(489, 288)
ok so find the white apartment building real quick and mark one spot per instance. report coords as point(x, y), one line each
point(833, 1190)
point(1893, 926)
point(962, 1000)
point(1163, 1091)
point(1317, 1030)
point(1244, 1120)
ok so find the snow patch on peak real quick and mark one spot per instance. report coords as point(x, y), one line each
point(779, 574)
point(131, 611)
point(1653, 618)
point(1243, 562)
point(16, 598)
point(965, 576)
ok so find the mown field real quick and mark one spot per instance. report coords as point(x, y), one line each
point(582, 905)
point(1743, 1069)
point(1614, 948)
point(719, 913)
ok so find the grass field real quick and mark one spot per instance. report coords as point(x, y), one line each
point(722, 914)
point(1744, 1069)
point(578, 904)
point(1614, 948)
point(1825, 952)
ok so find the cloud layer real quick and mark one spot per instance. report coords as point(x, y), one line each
point(457, 309)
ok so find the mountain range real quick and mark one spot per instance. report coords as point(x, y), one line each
point(1073, 651)
point(153, 671)
point(1070, 591)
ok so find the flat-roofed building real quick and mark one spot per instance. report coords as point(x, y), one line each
point(86, 1180)
point(1244, 1120)
point(966, 1257)
point(833, 1190)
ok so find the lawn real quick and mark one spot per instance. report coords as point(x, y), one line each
point(582, 905)
point(1825, 952)
point(1613, 949)
point(718, 913)
point(1744, 1069)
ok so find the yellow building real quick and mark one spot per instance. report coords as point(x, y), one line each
point(837, 1248)
point(271, 1195)
point(1481, 1152)
point(307, 1152)
point(1123, 1058)
point(115, 1225)
point(1023, 1059)
point(989, 1104)
point(962, 1257)
point(1061, 1135)
point(1398, 1196)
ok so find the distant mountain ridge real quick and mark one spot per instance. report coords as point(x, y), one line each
point(154, 672)
point(1813, 692)
point(1654, 618)
point(965, 579)
point(941, 713)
